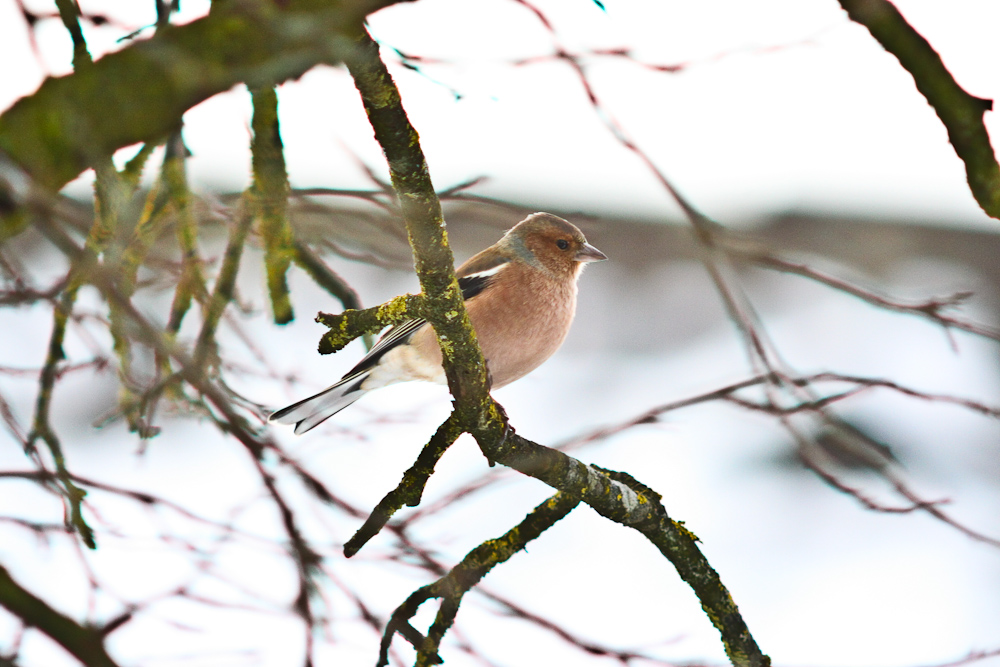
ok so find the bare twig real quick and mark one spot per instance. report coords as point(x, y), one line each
point(933, 309)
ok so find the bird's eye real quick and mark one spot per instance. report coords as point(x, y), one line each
point(562, 243)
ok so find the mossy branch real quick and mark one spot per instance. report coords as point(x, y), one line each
point(192, 282)
point(270, 197)
point(411, 488)
point(84, 643)
point(460, 579)
point(65, 126)
point(961, 113)
point(69, 12)
point(351, 324)
point(132, 171)
point(112, 190)
point(194, 372)
point(445, 308)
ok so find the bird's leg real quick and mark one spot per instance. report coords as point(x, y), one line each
point(507, 431)
point(507, 428)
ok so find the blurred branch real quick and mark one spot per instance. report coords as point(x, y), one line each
point(868, 382)
point(112, 190)
point(761, 356)
point(69, 12)
point(24, 296)
point(469, 572)
point(850, 441)
point(325, 277)
point(86, 644)
point(857, 443)
point(652, 415)
point(64, 127)
point(787, 395)
point(961, 113)
point(193, 371)
point(192, 282)
point(269, 196)
point(972, 657)
point(376, 197)
point(932, 309)
point(223, 291)
point(133, 168)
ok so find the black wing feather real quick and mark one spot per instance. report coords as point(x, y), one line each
point(473, 285)
point(398, 335)
point(401, 333)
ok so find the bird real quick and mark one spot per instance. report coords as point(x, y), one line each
point(521, 297)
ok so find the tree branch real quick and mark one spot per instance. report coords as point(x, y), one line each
point(425, 226)
point(85, 644)
point(270, 198)
point(454, 585)
point(933, 309)
point(615, 496)
point(410, 489)
point(64, 127)
point(961, 113)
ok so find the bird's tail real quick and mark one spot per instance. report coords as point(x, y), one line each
point(313, 411)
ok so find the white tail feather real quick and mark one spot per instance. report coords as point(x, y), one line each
point(311, 412)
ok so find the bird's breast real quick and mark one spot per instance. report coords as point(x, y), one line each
point(520, 324)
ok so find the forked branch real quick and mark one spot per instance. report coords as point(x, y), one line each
point(616, 496)
point(453, 586)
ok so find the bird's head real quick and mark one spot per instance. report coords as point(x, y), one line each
point(551, 243)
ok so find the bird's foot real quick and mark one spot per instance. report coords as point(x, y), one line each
point(508, 431)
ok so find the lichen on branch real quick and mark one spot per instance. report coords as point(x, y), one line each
point(460, 579)
point(350, 324)
point(445, 308)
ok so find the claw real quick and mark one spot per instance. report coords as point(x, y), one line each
point(508, 430)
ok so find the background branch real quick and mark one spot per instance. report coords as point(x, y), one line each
point(83, 643)
point(64, 128)
point(961, 113)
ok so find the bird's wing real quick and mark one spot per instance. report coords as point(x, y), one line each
point(477, 273)
point(474, 278)
point(394, 337)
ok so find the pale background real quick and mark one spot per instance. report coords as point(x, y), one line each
point(785, 107)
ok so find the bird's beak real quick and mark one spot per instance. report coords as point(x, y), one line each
point(589, 253)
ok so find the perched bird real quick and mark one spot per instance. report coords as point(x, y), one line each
point(521, 297)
